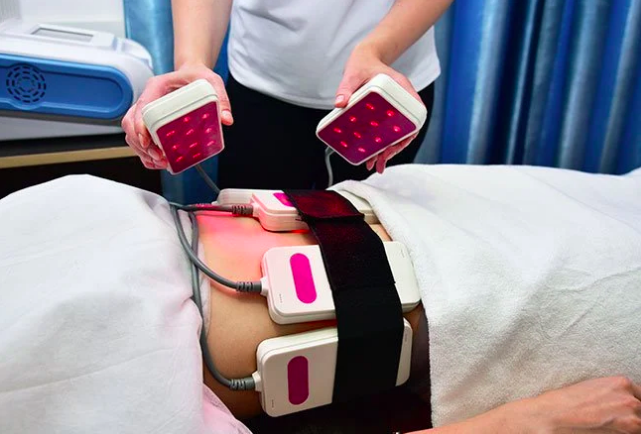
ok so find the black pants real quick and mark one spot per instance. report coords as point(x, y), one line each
point(273, 144)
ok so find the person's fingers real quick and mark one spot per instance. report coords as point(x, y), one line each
point(370, 163)
point(144, 154)
point(156, 87)
point(380, 165)
point(636, 391)
point(127, 123)
point(225, 106)
point(352, 80)
point(218, 84)
point(133, 144)
point(148, 163)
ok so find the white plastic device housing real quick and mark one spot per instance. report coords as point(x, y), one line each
point(394, 93)
point(319, 348)
point(177, 104)
point(21, 38)
point(276, 216)
point(291, 297)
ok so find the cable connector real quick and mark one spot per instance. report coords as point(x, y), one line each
point(242, 209)
point(246, 383)
point(249, 286)
point(264, 283)
point(258, 383)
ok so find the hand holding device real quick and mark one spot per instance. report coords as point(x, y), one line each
point(137, 135)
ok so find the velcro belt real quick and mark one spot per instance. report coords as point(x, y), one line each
point(369, 315)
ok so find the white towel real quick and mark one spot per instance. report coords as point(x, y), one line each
point(530, 277)
point(97, 330)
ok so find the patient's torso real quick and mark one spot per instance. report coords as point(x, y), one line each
point(234, 248)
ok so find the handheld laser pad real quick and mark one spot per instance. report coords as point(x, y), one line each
point(380, 114)
point(185, 124)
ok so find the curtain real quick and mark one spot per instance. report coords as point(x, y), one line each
point(148, 22)
point(540, 82)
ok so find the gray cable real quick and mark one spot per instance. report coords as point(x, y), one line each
point(207, 179)
point(328, 164)
point(246, 383)
point(241, 209)
point(242, 286)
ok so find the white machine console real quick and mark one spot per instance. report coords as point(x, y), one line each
point(53, 79)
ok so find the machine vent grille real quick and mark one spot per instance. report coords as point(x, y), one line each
point(26, 83)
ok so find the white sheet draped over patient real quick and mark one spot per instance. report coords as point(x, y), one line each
point(530, 277)
point(97, 332)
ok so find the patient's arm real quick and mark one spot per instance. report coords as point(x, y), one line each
point(602, 405)
point(234, 248)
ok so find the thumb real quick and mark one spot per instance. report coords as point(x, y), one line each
point(219, 86)
point(225, 106)
point(349, 85)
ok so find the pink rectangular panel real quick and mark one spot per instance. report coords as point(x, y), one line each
point(191, 138)
point(298, 380)
point(282, 198)
point(303, 279)
point(368, 127)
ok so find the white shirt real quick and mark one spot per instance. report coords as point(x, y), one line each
point(296, 50)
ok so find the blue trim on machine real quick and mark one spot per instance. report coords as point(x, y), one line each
point(60, 88)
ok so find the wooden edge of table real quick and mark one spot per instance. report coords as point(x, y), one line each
point(66, 157)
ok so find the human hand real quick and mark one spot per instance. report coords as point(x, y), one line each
point(602, 405)
point(136, 134)
point(364, 63)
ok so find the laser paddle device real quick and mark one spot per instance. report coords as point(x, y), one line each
point(297, 288)
point(276, 213)
point(380, 114)
point(185, 124)
point(296, 372)
point(53, 79)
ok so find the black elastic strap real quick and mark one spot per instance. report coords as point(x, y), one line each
point(368, 309)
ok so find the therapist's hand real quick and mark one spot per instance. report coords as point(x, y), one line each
point(364, 63)
point(136, 134)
